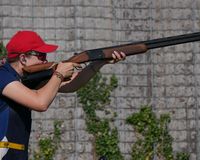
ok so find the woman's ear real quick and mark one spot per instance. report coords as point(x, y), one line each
point(22, 59)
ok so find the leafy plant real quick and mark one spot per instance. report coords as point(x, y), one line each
point(3, 51)
point(153, 138)
point(94, 96)
point(182, 156)
point(49, 145)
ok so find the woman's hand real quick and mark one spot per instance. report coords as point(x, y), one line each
point(117, 56)
point(67, 69)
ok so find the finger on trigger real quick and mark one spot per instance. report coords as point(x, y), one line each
point(77, 66)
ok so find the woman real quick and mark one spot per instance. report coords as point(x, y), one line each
point(16, 100)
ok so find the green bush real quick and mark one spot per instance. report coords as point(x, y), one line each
point(3, 51)
point(153, 138)
point(48, 145)
point(94, 96)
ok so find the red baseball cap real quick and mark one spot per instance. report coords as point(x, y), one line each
point(25, 41)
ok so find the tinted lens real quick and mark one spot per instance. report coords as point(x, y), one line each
point(40, 56)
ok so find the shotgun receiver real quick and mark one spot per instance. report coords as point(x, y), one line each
point(42, 71)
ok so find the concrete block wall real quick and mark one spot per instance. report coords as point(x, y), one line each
point(167, 78)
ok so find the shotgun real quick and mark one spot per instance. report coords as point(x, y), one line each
point(44, 71)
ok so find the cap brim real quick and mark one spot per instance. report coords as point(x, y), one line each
point(46, 48)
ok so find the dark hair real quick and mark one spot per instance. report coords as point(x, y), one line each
point(11, 60)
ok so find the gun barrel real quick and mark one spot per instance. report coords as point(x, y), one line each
point(173, 40)
point(158, 43)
